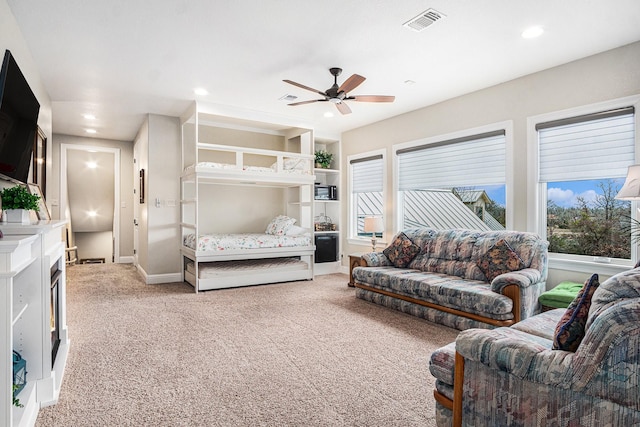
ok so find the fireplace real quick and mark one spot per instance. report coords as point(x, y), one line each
point(56, 273)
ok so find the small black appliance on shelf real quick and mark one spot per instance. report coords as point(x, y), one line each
point(325, 192)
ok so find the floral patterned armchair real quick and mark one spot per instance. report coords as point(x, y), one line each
point(514, 376)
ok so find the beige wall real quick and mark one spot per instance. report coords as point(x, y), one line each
point(157, 150)
point(609, 75)
point(141, 156)
point(94, 245)
point(163, 202)
point(11, 38)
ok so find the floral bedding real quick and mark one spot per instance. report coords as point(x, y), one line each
point(225, 241)
point(288, 167)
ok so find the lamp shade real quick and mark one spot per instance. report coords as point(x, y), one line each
point(373, 224)
point(631, 188)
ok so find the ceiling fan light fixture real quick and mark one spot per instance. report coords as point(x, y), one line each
point(338, 94)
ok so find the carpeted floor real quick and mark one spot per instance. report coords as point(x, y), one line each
point(292, 354)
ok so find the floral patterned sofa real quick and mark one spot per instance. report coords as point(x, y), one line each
point(459, 278)
point(579, 366)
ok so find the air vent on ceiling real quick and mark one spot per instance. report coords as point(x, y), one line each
point(423, 20)
point(288, 98)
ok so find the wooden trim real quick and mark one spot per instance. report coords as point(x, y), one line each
point(513, 292)
point(455, 311)
point(355, 260)
point(458, 384)
point(443, 400)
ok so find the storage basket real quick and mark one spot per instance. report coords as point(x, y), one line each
point(323, 223)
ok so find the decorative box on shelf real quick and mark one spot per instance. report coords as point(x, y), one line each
point(324, 226)
point(323, 223)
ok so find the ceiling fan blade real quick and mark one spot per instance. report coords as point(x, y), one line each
point(351, 83)
point(304, 87)
point(343, 108)
point(307, 102)
point(372, 98)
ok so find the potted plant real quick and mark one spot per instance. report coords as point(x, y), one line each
point(323, 159)
point(17, 202)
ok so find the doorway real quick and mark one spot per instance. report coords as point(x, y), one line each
point(89, 199)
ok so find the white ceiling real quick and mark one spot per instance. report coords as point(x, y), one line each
point(121, 59)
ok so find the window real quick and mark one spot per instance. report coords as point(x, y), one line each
point(583, 161)
point(367, 184)
point(454, 183)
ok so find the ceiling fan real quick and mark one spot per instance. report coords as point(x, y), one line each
point(339, 94)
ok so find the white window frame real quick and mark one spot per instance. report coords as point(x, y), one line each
point(354, 239)
point(536, 196)
point(506, 126)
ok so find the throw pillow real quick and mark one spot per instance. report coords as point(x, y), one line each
point(499, 259)
point(279, 225)
point(570, 329)
point(401, 251)
point(294, 230)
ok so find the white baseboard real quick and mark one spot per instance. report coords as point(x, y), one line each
point(125, 260)
point(155, 279)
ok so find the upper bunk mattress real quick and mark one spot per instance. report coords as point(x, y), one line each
point(297, 168)
point(223, 241)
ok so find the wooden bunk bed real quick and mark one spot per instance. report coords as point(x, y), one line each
point(221, 259)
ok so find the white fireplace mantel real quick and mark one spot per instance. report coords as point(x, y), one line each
point(27, 255)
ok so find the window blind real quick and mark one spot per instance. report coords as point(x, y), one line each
point(476, 160)
point(366, 175)
point(598, 146)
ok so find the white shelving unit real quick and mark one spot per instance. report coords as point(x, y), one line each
point(329, 208)
point(27, 255)
point(235, 203)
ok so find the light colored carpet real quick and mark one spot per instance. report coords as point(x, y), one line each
point(292, 354)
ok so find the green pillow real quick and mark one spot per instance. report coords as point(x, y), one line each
point(560, 296)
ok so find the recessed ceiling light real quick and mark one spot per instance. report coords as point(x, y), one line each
point(92, 213)
point(328, 114)
point(91, 131)
point(89, 116)
point(200, 91)
point(92, 165)
point(532, 32)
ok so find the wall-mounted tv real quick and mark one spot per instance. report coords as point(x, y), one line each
point(19, 110)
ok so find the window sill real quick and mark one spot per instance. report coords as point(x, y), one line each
point(588, 266)
point(380, 244)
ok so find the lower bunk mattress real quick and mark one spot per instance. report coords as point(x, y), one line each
point(227, 241)
point(228, 274)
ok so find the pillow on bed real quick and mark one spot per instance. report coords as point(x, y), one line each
point(294, 230)
point(279, 225)
point(292, 164)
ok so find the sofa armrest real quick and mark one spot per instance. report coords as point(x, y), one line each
point(376, 259)
point(521, 278)
point(507, 350)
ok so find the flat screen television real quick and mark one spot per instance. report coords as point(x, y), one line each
point(19, 110)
